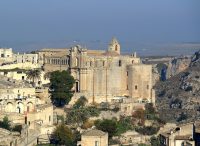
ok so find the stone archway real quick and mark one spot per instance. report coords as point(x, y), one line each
point(9, 107)
point(30, 107)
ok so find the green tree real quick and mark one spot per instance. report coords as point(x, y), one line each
point(182, 116)
point(81, 102)
point(154, 141)
point(142, 144)
point(5, 123)
point(33, 75)
point(147, 130)
point(106, 125)
point(149, 109)
point(79, 116)
point(63, 135)
point(61, 84)
point(124, 124)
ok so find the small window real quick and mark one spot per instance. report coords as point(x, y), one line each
point(132, 61)
point(49, 118)
point(77, 86)
point(116, 47)
point(5, 73)
point(147, 87)
point(136, 87)
point(127, 87)
point(68, 61)
point(90, 63)
point(103, 63)
point(120, 63)
point(127, 73)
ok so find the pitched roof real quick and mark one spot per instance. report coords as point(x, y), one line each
point(94, 132)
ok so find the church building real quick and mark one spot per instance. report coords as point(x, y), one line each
point(102, 75)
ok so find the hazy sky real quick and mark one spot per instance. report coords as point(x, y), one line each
point(136, 23)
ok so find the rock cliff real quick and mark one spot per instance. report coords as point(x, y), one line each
point(178, 98)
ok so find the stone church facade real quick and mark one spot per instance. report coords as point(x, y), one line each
point(103, 75)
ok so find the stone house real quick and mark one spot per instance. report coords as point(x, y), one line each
point(183, 135)
point(93, 138)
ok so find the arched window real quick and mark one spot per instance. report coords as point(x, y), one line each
point(116, 47)
point(132, 61)
point(90, 63)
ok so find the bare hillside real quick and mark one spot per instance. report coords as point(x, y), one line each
point(178, 98)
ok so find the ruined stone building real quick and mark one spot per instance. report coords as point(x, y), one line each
point(102, 74)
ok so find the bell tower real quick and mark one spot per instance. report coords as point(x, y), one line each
point(114, 46)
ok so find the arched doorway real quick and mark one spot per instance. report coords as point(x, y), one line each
point(20, 107)
point(9, 107)
point(30, 107)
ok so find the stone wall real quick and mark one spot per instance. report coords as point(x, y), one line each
point(90, 140)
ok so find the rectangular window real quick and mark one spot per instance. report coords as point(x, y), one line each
point(136, 87)
point(96, 143)
point(77, 86)
point(103, 63)
point(120, 63)
point(147, 87)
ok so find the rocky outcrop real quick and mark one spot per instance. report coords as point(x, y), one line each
point(178, 98)
point(177, 65)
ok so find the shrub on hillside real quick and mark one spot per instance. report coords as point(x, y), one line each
point(147, 130)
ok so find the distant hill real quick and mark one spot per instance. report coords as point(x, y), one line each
point(178, 98)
